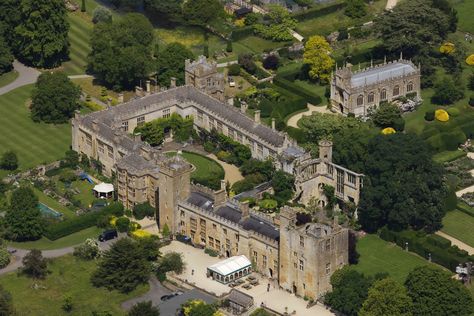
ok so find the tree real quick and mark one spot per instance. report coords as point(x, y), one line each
point(123, 267)
point(9, 161)
point(122, 224)
point(404, 187)
point(171, 63)
point(355, 8)
point(247, 62)
point(283, 184)
point(470, 84)
point(54, 99)
point(279, 26)
point(67, 304)
point(202, 12)
point(71, 159)
point(447, 92)
point(101, 14)
point(6, 304)
point(271, 62)
point(150, 247)
point(388, 115)
point(144, 309)
point(168, 9)
point(205, 50)
point(166, 231)
point(83, 6)
point(387, 297)
point(317, 54)
point(9, 18)
point(435, 292)
point(34, 265)
point(88, 250)
point(4, 257)
point(199, 308)
point(41, 37)
point(142, 210)
point(23, 218)
point(6, 57)
point(234, 70)
point(228, 47)
point(172, 261)
point(121, 51)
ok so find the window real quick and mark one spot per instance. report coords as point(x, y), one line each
point(211, 242)
point(301, 265)
point(214, 226)
point(301, 241)
point(360, 100)
point(410, 86)
point(383, 95)
point(182, 214)
point(295, 254)
point(208, 81)
point(351, 178)
point(110, 152)
point(328, 245)
point(255, 256)
point(200, 116)
point(264, 261)
point(101, 147)
point(328, 268)
point(371, 98)
point(396, 90)
point(89, 140)
point(330, 170)
point(225, 231)
point(140, 120)
point(340, 181)
point(237, 237)
point(125, 126)
point(182, 223)
point(166, 113)
point(219, 127)
point(218, 244)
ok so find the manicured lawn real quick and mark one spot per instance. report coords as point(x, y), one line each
point(377, 255)
point(446, 156)
point(69, 276)
point(465, 8)
point(204, 166)
point(68, 241)
point(34, 143)
point(85, 195)
point(256, 44)
point(53, 204)
point(8, 78)
point(460, 226)
point(79, 38)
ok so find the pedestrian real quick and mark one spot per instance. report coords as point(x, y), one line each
point(192, 272)
point(268, 287)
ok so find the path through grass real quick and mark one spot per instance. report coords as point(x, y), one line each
point(8, 78)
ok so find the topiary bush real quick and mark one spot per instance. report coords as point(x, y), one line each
point(4, 257)
point(430, 116)
point(122, 224)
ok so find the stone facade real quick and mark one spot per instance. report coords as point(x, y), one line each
point(356, 92)
point(203, 75)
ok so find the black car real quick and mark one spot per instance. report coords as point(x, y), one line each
point(108, 234)
point(170, 296)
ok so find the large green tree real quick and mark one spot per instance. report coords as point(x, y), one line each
point(6, 57)
point(202, 12)
point(388, 115)
point(34, 265)
point(41, 37)
point(403, 186)
point(435, 292)
point(447, 92)
point(121, 51)
point(170, 63)
point(54, 99)
point(280, 22)
point(387, 297)
point(9, 18)
point(123, 267)
point(9, 161)
point(172, 10)
point(23, 218)
point(355, 8)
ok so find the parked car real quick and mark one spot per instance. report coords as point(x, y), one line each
point(184, 239)
point(170, 296)
point(108, 234)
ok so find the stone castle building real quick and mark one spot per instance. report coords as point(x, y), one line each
point(357, 92)
point(203, 75)
point(145, 174)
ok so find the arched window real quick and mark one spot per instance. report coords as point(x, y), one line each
point(410, 86)
point(383, 95)
point(370, 98)
point(360, 100)
point(396, 90)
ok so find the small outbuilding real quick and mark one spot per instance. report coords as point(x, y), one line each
point(230, 269)
point(239, 302)
point(103, 190)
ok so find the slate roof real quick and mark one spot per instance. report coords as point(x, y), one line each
point(171, 306)
point(201, 200)
point(382, 73)
point(240, 298)
point(136, 164)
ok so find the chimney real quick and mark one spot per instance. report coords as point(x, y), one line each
point(244, 207)
point(109, 102)
point(95, 125)
point(243, 107)
point(257, 116)
point(139, 91)
point(273, 123)
point(117, 136)
point(223, 185)
point(137, 137)
point(120, 98)
point(148, 89)
point(173, 82)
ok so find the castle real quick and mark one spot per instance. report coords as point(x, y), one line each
point(356, 92)
point(300, 257)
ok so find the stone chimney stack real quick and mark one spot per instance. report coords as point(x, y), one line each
point(95, 125)
point(257, 116)
point(139, 91)
point(223, 185)
point(148, 89)
point(173, 82)
point(137, 137)
point(244, 207)
point(273, 123)
point(243, 107)
point(109, 102)
point(120, 98)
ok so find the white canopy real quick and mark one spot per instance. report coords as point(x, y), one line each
point(104, 188)
point(231, 265)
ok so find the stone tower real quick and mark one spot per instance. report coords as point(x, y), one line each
point(174, 185)
point(203, 75)
point(325, 150)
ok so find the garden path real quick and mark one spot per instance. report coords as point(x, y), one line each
point(26, 75)
point(457, 242)
point(232, 173)
point(293, 121)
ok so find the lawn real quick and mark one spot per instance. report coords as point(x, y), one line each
point(465, 8)
point(460, 226)
point(377, 255)
point(85, 195)
point(204, 166)
point(79, 38)
point(55, 205)
point(69, 276)
point(8, 78)
point(34, 143)
point(67, 241)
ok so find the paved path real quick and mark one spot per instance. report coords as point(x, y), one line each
point(293, 121)
point(157, 290)
point(26, 75)
point(80, 76)
point(457, 242)
point(222, 65)
point(390, 4)
point(232, 173)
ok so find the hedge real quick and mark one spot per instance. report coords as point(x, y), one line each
point(241, 33)
point(297, 134)
point(424, 245)
point(62, 229)
point(318, 12)
point(290, 86)
point(465, 209)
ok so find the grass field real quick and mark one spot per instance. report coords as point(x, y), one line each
point(204, 166)
point(34, 143)
point(465, 8)
point(69, 276)
point(79, 38)
point(460, 226)
point(68, 241)
point(8, 78)
point(377, 255)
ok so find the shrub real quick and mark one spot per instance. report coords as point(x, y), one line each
point(268, 204)
point(211, 252)
point(471, 101)
point(271, 62)
point(234, 70)
point(142, 210)
point(388, 130)
point(429, 116)
point(122, 224)
point(9, 161)
point(88, 250)
point(470, 60)
point(441, 115)
point(209, 147)
point(438, 241)
point(140, 233)
point(4, 257)
point(223, 155)
point(453, 112)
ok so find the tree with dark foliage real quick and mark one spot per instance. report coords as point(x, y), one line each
point(34, 265)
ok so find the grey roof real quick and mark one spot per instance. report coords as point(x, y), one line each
point(262, 227)
point(170, 307)
point(136, 164)
point(254, 192)
point(294, 152)
point(381, 73)
point(201, 200)
point(240, 298)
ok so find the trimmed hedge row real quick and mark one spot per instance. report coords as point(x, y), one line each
point(318, 12)
point(465, 209)
point(424, 245)
point(62, 229)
